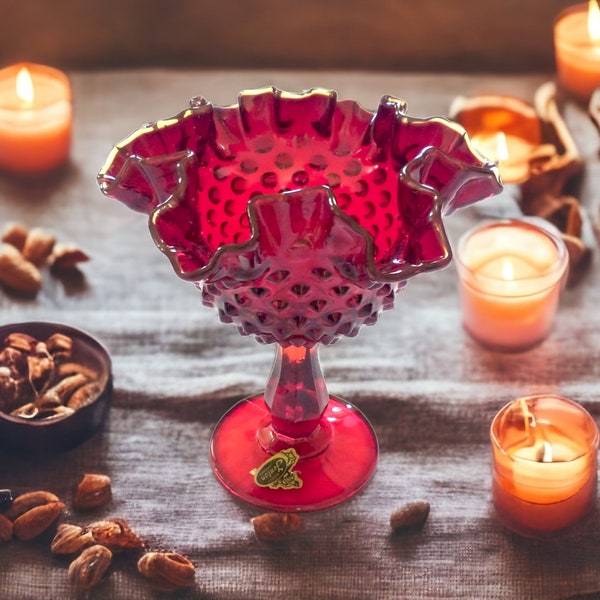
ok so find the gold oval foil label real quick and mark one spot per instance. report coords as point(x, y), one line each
point(276, 472)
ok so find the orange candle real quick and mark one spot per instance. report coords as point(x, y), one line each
point(35, 118)
point(545, 454)
point(510, 276)
point(577, 49)
point(511, 153)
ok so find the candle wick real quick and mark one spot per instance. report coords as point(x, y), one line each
point(544, 452)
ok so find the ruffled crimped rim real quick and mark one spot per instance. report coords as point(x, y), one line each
point(410, 175)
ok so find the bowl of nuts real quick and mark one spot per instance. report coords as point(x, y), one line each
point(55, 386)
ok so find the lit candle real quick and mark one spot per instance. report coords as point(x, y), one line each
point(510, 276)
point(544, 451)
point(35, 118)
point(505, 129)
point(577, 49)
point(512, 154)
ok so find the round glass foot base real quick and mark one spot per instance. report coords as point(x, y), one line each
point(284, 480)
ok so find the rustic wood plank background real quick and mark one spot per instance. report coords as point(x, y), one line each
point(462, 35)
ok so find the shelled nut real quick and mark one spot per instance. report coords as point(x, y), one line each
point(94, 490)
point(88, 569)
point(411, 516)
point(168, 571)
point(36, 520)
point(276, 527)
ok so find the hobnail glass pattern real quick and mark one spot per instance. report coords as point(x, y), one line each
point(299, 215)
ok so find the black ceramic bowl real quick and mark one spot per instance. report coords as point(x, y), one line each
point(60, 433)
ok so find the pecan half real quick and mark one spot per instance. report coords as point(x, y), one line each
point(89, 567)
point(167, 571)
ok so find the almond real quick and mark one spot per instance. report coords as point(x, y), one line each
point(17, 272)
point(21, 504)
point(94, 490)
point(411, 516)
point(6, 529)
point(275, 527)
point(59, 344)
point(20, 341)
point(15, 234)
point(36, 520)
point(38, 246)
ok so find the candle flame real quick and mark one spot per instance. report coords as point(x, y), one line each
point(593, 21)
point(501, 147)
point(508, 272)
point(25, 87)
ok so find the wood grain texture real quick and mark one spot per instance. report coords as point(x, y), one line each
point(429, 390)
point(463, 35)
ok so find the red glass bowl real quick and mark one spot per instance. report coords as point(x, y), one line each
point(299, 217)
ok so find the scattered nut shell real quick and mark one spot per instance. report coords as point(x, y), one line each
point(167, 571)
point(276, 527)
point(88, 569)
point(38, 246)
point(6, 529)
point(115, 534)
point(17, 272)
point(411, 516)
point(64, 389)
point(70, 539)
point(36, 520)
point(85, 395)
point(39, 380)
point(94, 490)
point(73, 368)
point(15, 234)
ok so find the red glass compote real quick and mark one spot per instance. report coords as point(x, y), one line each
point(299, 217)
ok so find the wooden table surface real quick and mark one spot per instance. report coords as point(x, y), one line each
point(428, 389)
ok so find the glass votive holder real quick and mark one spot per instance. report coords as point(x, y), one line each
point(545, 454)
point(576, 51)
point(510, 276)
